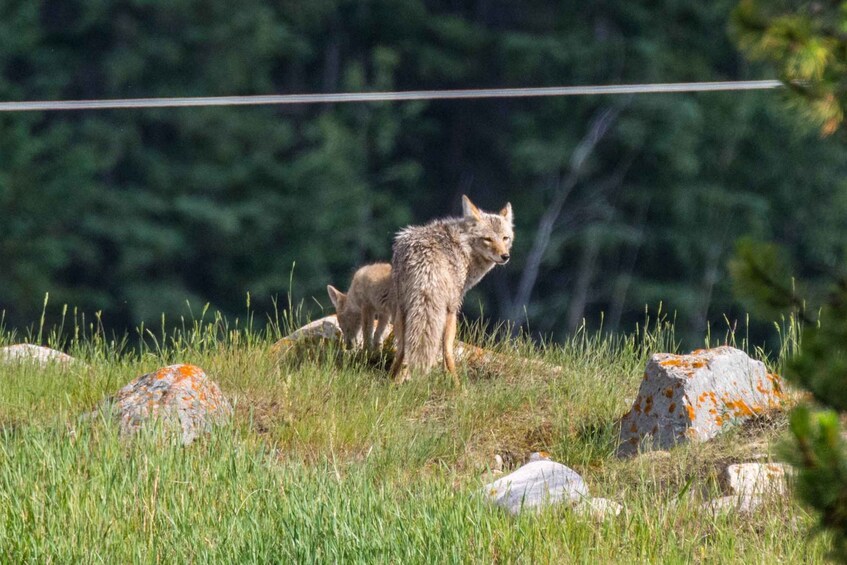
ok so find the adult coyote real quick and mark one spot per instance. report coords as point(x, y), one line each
point(432, 268)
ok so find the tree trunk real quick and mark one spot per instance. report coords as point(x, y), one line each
point(597, 129)
point(587, 269)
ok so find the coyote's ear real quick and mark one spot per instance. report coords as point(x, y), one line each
point(469, 210)
point(335, 296)
point(506, 212)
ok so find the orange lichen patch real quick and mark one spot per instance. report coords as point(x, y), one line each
point(684, 362)
point(187, 372)
point(719, 419)
point(648, 405)
point(669, 392)
point(691, 414)
point(633, 428)
point(739, 408)
point(672, 407)
point(707, 396)
point(776, 383)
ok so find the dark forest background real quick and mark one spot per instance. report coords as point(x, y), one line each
point(621, 203)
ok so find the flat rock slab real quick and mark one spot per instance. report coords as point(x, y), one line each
point(749, 479)
point(323, 328)
point(28, 353)
point(177, 394)
point(476, 359)
point(536, 485)
point(693, 397)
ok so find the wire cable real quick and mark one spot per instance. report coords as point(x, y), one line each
point(187, 102)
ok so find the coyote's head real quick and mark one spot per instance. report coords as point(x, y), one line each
point(490, 234)
point(348, 320)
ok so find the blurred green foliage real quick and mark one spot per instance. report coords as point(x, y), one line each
point(806, 43)
point(134, 212)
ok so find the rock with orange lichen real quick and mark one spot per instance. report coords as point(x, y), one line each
point(693, 397)
point(176, 395)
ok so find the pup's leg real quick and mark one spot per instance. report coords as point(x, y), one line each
point(400, 345)
point(367, 326)
point(449, 340)
point(380, 328)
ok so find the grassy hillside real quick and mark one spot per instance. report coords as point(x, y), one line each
point(327, 460)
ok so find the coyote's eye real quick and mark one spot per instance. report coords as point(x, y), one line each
point(506, 238)
point(487, 240)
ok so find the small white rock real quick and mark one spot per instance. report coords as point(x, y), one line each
point(536, 485)
point(748, 479)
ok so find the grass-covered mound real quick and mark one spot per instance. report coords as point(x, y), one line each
point(327, 460)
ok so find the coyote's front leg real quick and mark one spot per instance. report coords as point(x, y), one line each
point(367, 327)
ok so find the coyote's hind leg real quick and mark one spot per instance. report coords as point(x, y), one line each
point(449, 340)
point(396, 371)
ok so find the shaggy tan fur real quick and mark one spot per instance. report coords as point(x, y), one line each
point(369, 295)
point(432, 268)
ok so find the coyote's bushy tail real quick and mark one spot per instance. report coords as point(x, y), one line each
point(424, 316)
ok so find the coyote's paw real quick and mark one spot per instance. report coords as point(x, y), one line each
point(403, 375)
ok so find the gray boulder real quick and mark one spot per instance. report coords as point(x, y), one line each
point(693, 397)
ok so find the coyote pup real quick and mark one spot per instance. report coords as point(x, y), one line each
point(369, 295)
point(432, 268)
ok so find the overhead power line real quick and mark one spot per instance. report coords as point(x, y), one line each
point(185, 102)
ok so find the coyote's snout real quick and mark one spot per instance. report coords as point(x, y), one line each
point(432, 268)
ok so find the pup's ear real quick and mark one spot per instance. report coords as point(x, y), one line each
point(469, 210)
point(335, 296)
point(506, 212)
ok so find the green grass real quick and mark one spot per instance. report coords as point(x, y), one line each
point(327, 461)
